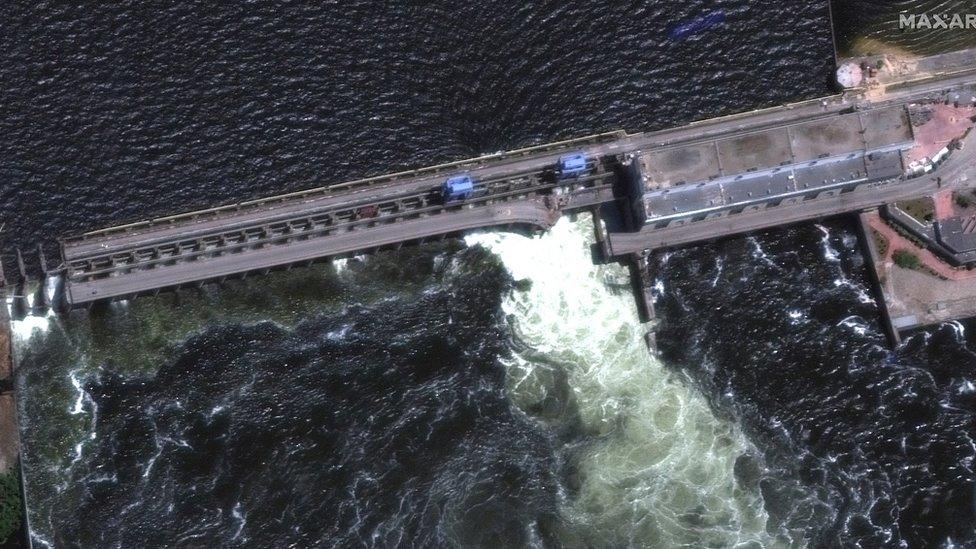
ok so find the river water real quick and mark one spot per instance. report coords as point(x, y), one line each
point(871, 27)
point(489, 392)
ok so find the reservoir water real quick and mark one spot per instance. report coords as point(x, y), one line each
point(492, 391)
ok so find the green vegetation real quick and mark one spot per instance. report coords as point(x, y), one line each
point(10, 508)
point(962, 200)
point(880, 243)
point(922, 209)
point(141, 333)
point(906, 259)
point(880, 64)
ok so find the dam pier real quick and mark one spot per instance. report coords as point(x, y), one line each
point(847, 153)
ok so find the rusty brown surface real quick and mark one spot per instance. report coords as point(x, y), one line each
point(944, 123)
point(9, 437)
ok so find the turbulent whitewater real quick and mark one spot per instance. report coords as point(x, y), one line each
point(650, 465)
point(497, 394)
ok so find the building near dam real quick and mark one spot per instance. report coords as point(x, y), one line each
point(783, 164)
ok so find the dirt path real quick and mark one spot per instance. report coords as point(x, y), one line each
point(9, 437)
point(943, 204)
point(928, 259)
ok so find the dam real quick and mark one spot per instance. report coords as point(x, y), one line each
point(707, 180)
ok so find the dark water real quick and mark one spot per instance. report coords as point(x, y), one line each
point(784, 337)
point(878, 20)
point(389, 425)
point(112, 113)
point(384, 426)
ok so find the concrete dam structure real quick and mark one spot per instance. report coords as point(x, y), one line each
point(793, 161)
point(674, 187)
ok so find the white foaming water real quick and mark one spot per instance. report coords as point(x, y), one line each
point(239, 518)
point(657, 469)
point(78, 407)
point(830, 254)
point(959, 329)
point(855, 323)
point(23, 330)
point(758, 252)
point(797, 317)
point(862, 294)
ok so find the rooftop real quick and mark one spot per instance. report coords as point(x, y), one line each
point(840, 135)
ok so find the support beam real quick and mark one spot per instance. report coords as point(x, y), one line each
point(21, 269)
point(42, 259)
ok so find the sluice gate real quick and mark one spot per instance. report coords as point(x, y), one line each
point(702, 181)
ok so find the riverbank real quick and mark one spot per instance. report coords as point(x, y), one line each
point(10, 503)
point(9, 440)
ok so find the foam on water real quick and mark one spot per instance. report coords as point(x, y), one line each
point(22, 330)
point(658, 466)
point(830, 253)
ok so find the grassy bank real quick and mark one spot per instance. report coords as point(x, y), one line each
point(10, 504)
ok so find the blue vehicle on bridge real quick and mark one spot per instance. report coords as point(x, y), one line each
point(572, 165)
point(457, 187)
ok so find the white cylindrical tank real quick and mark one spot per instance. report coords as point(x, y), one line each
point(849, 75)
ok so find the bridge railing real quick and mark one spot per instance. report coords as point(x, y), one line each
point(313, 224)
point(351, 185)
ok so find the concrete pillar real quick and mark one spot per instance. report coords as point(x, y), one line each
point(21, 269)
point(20, 306)
point(59, 300)
point(42, 259)
point(40, 298)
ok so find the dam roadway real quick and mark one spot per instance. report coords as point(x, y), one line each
point(514, 188)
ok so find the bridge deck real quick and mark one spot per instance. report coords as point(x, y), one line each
point(957, 171)
point(649, 238)
point(518, 187)
point(533, 213)
point(495, 166)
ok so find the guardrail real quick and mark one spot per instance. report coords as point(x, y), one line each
point(349, 185)
point(340, 219)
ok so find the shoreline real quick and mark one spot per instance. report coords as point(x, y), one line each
point(11, 475)
point(9, 436)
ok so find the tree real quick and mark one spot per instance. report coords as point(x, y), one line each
point(906, 259)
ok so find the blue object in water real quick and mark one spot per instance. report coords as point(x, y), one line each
point(572, 164)
point(457, 187)
point(698, 24)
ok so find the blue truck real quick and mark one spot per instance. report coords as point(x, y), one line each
point(571, 165)
point(457, 187)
